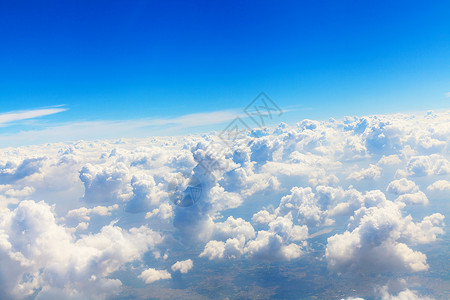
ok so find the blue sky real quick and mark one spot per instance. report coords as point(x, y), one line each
point(128, 61)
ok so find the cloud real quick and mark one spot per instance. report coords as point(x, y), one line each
point(11, 172)
point(183, 266)
point(89, 130)
point(406, 294)
point(435, 164)
point(104, 184)
point(39, 256)
point(9, 117)
point(198, 119)
point(270, 246)
point(414, 198)
point(277, 243)
point(109, 209)
point(372, 172)
point(84, 213)
point(376, 241)
point(151, 275)
point(402, 186)
point(440, 185)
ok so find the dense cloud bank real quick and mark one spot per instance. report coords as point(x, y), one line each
point(74, 215)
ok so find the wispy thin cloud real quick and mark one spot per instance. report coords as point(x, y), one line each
point(198, 119)
point(447, 94)
point(91, 130)
point(15, 116)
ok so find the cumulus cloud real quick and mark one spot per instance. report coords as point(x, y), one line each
point(372, 172)
point(111, 205)
point(151, 275)
point(10, 172)
point(407, 191)
point(302, 205)
point(279, 242)
point(40, 256)
point(84, 213)
point(164, 211)
point(440, 185)
point(414, 198)
point(183, 266)
point(378, 238)
point(434, 164)
point(104, 184)
point(406, 294)
point(402, 186)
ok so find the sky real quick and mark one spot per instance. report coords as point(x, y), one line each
point(115, 61)
point(122, 176)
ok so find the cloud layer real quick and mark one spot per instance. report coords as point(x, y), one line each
point(76, 216)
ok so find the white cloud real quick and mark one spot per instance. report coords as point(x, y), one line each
point(402, 186)
point(14, 116)
point(268, 194)
point(434, 164)
point(165, 211)
point(393, 159)
point(303, 206)
point(151, 275)
point(277, 243)
point(406, 294)
point(440, 185)
point(84, 213)
point(40, 256)
point(90, 130)
point(414, 198)
point(270, 246)
point(103, 185)
point(376, 241)
point(183, 266)
point(372, 172)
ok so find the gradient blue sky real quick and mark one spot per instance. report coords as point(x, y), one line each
point(129, 60)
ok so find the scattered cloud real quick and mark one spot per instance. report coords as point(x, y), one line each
point(183, 266)
point(151, 275)
point(76, 216)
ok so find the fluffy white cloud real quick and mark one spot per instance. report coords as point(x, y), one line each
point(303, 205)
point(271, 246)
point(84, 213)
point(103, 185)
point(12, 171)
point(407, 191)
point(402, 186)
point(406, 294)
point(151, 275)
point(434, 164)
point(164, 211)
point(415, 198)
point(376, 241)
point(276, 243)
point(440, 185)
point(183, 266)
point(40, 256)
point(372, 172)
point(259, 200)
point(146, 194)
